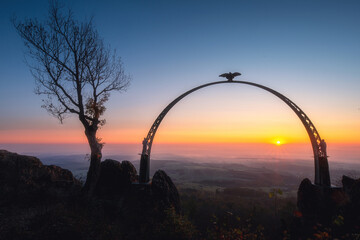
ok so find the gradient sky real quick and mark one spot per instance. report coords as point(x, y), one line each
point(307, 50)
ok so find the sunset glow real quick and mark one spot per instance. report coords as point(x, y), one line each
point(314, 70)
point(170, 133)
point(189, 119)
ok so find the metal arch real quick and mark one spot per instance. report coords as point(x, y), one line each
point(319, 148)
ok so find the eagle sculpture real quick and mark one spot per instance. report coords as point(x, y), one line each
point(230, 76)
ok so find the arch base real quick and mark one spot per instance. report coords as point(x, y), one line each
point(144, 168)
point(324, 176)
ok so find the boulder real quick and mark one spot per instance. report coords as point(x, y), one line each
point(352, 209)
point(129, 173)
point(320, 203)
point(352, 188)
point(309, 198)
point(148, 204)
point(25, 179)
point(165, 192)
point(115, 178)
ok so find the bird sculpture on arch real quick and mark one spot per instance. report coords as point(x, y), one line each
point(230, 76)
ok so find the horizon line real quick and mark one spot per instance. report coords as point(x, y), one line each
point(181, 143)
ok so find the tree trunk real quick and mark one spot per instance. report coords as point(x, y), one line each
point(95, 160)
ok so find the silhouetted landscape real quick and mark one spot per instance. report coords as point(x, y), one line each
point(254, 199)
point(252, 108)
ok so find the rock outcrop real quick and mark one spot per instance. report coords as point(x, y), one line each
point(118, 181)
point(165, 191)
point(351, 210)
point(352, 189)
point(115, 178)
point(323, 203)
point(44, 202)
point(148, 204)
point(26, 179)
point(309, 198)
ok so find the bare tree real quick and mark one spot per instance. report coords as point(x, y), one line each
point(75, 72)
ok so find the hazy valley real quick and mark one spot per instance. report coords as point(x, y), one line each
point(262, 174)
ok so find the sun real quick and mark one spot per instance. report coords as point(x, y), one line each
point(278, 141)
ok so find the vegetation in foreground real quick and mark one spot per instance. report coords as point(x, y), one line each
point(40, 201)
point(237, 213)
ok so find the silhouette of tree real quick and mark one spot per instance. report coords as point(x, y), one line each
point(75, 72)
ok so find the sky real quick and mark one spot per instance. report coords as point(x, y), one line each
point(307, 50)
